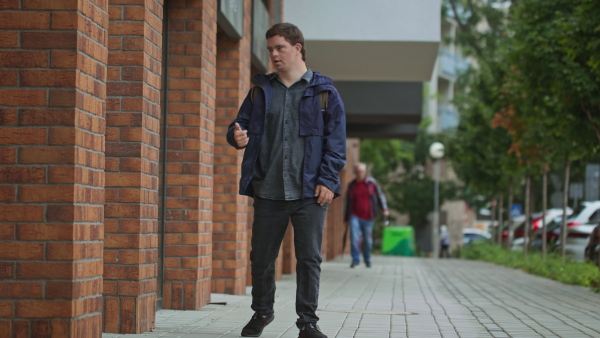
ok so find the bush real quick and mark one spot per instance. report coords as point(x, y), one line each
point(554, 267)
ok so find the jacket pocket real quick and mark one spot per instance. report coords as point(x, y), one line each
point(311, 117)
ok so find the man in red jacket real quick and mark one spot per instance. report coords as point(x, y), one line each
point(362, 199)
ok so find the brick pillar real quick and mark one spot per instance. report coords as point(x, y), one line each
point(52, 99)
point(132, 143)
point(334, 229)
point(230, 209)
point(190, 150)
point(347, 175)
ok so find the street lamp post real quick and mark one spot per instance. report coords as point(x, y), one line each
point(436, 150)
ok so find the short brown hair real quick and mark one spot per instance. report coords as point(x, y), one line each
point(290, 33)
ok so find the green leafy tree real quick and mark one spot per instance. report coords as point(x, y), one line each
point(413, 195)
point(384, 156)
point(556, 55)
point(397, 166)
point(479, 152)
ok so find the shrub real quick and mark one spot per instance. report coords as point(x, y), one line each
point(553, 267)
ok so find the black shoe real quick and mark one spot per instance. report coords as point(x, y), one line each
point(311, 331)
point(368, 264)
point(255, 326)
point(354, 264)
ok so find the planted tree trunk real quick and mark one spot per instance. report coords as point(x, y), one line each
point(510, 225)
point(526, 226)
point(544, 207)
point(500, 217)
point(493, 211)
point(563, 228)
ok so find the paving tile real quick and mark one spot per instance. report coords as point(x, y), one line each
point(406, 297)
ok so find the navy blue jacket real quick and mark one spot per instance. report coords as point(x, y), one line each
point(325, 132)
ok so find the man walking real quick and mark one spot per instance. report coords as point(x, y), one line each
point(362, 199)
point(293, 127)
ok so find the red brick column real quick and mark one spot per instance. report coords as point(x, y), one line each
point(190, 149)
point(52, 96)
point(230, 209)
point(334, 229)
point(132, 143)
point(336, 218)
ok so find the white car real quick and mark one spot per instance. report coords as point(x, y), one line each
point(473, 235)
point(551, 214)
point(588, 213)
point(578, 237)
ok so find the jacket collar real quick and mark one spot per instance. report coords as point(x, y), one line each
point(264, 80)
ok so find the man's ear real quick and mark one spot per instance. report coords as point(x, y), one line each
point(298, 47)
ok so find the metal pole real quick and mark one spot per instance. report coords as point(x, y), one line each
point(436, 207)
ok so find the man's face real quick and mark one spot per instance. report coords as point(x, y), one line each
point(283, 55)
point(360, 173)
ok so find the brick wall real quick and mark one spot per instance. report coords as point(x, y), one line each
point(132, 143)
point(80, 79)
point(230, 251)
point(52, 97)
point(190, 149)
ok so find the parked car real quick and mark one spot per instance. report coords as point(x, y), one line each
point(471, 235)
point(588, 213)
point(517, 225)
point(549, 216)
point(552, 234)
point(536, 224)
point(578, 237)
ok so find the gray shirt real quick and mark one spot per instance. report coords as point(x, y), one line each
point(278, 171)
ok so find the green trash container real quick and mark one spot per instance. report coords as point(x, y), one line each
point(398, 240)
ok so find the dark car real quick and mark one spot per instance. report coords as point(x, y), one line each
point(552, 234)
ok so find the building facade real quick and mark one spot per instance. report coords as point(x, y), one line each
point(445, 118)
point(118, 191)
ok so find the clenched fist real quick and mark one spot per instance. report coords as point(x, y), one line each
point(240, 136)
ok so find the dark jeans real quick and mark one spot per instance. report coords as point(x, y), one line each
point(271, 219)
point(445, 252)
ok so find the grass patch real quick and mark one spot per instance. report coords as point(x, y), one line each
point(554, 267)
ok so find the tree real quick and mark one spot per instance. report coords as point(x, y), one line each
point(478, 151)
point(384, 156)
point(556, 45)
point(397, 166)
point(413, 195)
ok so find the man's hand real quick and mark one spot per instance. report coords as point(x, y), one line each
point(240, 136)
point(324, 194)
point(386, 213)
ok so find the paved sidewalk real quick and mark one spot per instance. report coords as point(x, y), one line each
point(407, 297)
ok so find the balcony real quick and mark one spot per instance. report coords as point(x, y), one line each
point(358, 40)
point(448, 117)
point(451, 64)
point(378, 54)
